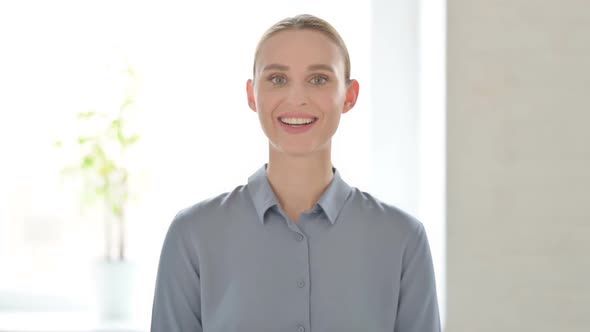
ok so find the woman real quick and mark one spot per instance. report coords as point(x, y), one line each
point(296, 248)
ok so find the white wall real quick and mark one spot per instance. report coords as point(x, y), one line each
point(518, 166)
point(408, 119)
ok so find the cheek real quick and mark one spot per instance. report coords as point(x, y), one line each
point(329, 100)
point(267, 102)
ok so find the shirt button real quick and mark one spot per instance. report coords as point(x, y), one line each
point(299, 237)
point(301, 283)
point(300, 328)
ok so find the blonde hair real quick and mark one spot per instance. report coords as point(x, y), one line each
point(306, 22)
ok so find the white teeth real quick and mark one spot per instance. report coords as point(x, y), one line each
point(296, 121)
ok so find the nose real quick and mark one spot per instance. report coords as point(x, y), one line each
point(297, 95)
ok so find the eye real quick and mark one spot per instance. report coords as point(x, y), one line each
point(277, 79)
point(319, 79)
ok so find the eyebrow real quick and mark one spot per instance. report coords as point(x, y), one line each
point(276, 66)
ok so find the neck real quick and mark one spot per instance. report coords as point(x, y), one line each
point(299, 182)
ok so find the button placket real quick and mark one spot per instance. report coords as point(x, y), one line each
point(300, 283)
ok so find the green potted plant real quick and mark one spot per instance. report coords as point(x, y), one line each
point(102, 147)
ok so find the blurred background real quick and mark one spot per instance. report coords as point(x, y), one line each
point(472, 116)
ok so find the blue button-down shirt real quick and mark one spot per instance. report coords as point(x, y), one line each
point(236, 262)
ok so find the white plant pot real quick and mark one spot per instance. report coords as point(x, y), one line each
point(115, 290)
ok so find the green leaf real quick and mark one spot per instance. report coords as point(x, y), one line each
point(132, 140)
point(121, 138)
point(83, 140)
point(100, 153)
point(86, 115)
point(58, 144)
point(116, 123)
point(107, 168)
point(126, 103)
point(117, 209)
point(88, 162)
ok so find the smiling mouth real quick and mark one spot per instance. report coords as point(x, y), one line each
point(297, 122)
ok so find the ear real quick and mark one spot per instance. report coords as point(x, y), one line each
point(352, 92)
point(250, 95)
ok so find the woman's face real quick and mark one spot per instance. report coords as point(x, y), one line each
point(299, 91)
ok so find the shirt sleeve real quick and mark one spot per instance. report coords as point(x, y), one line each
point(418, 305)
point(177, 303)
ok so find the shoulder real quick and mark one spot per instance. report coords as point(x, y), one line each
point(375, 210)
point(211, 209)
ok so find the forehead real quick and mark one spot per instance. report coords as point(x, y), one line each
point(300, 47)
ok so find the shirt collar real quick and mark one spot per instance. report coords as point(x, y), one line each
point(331, 202)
